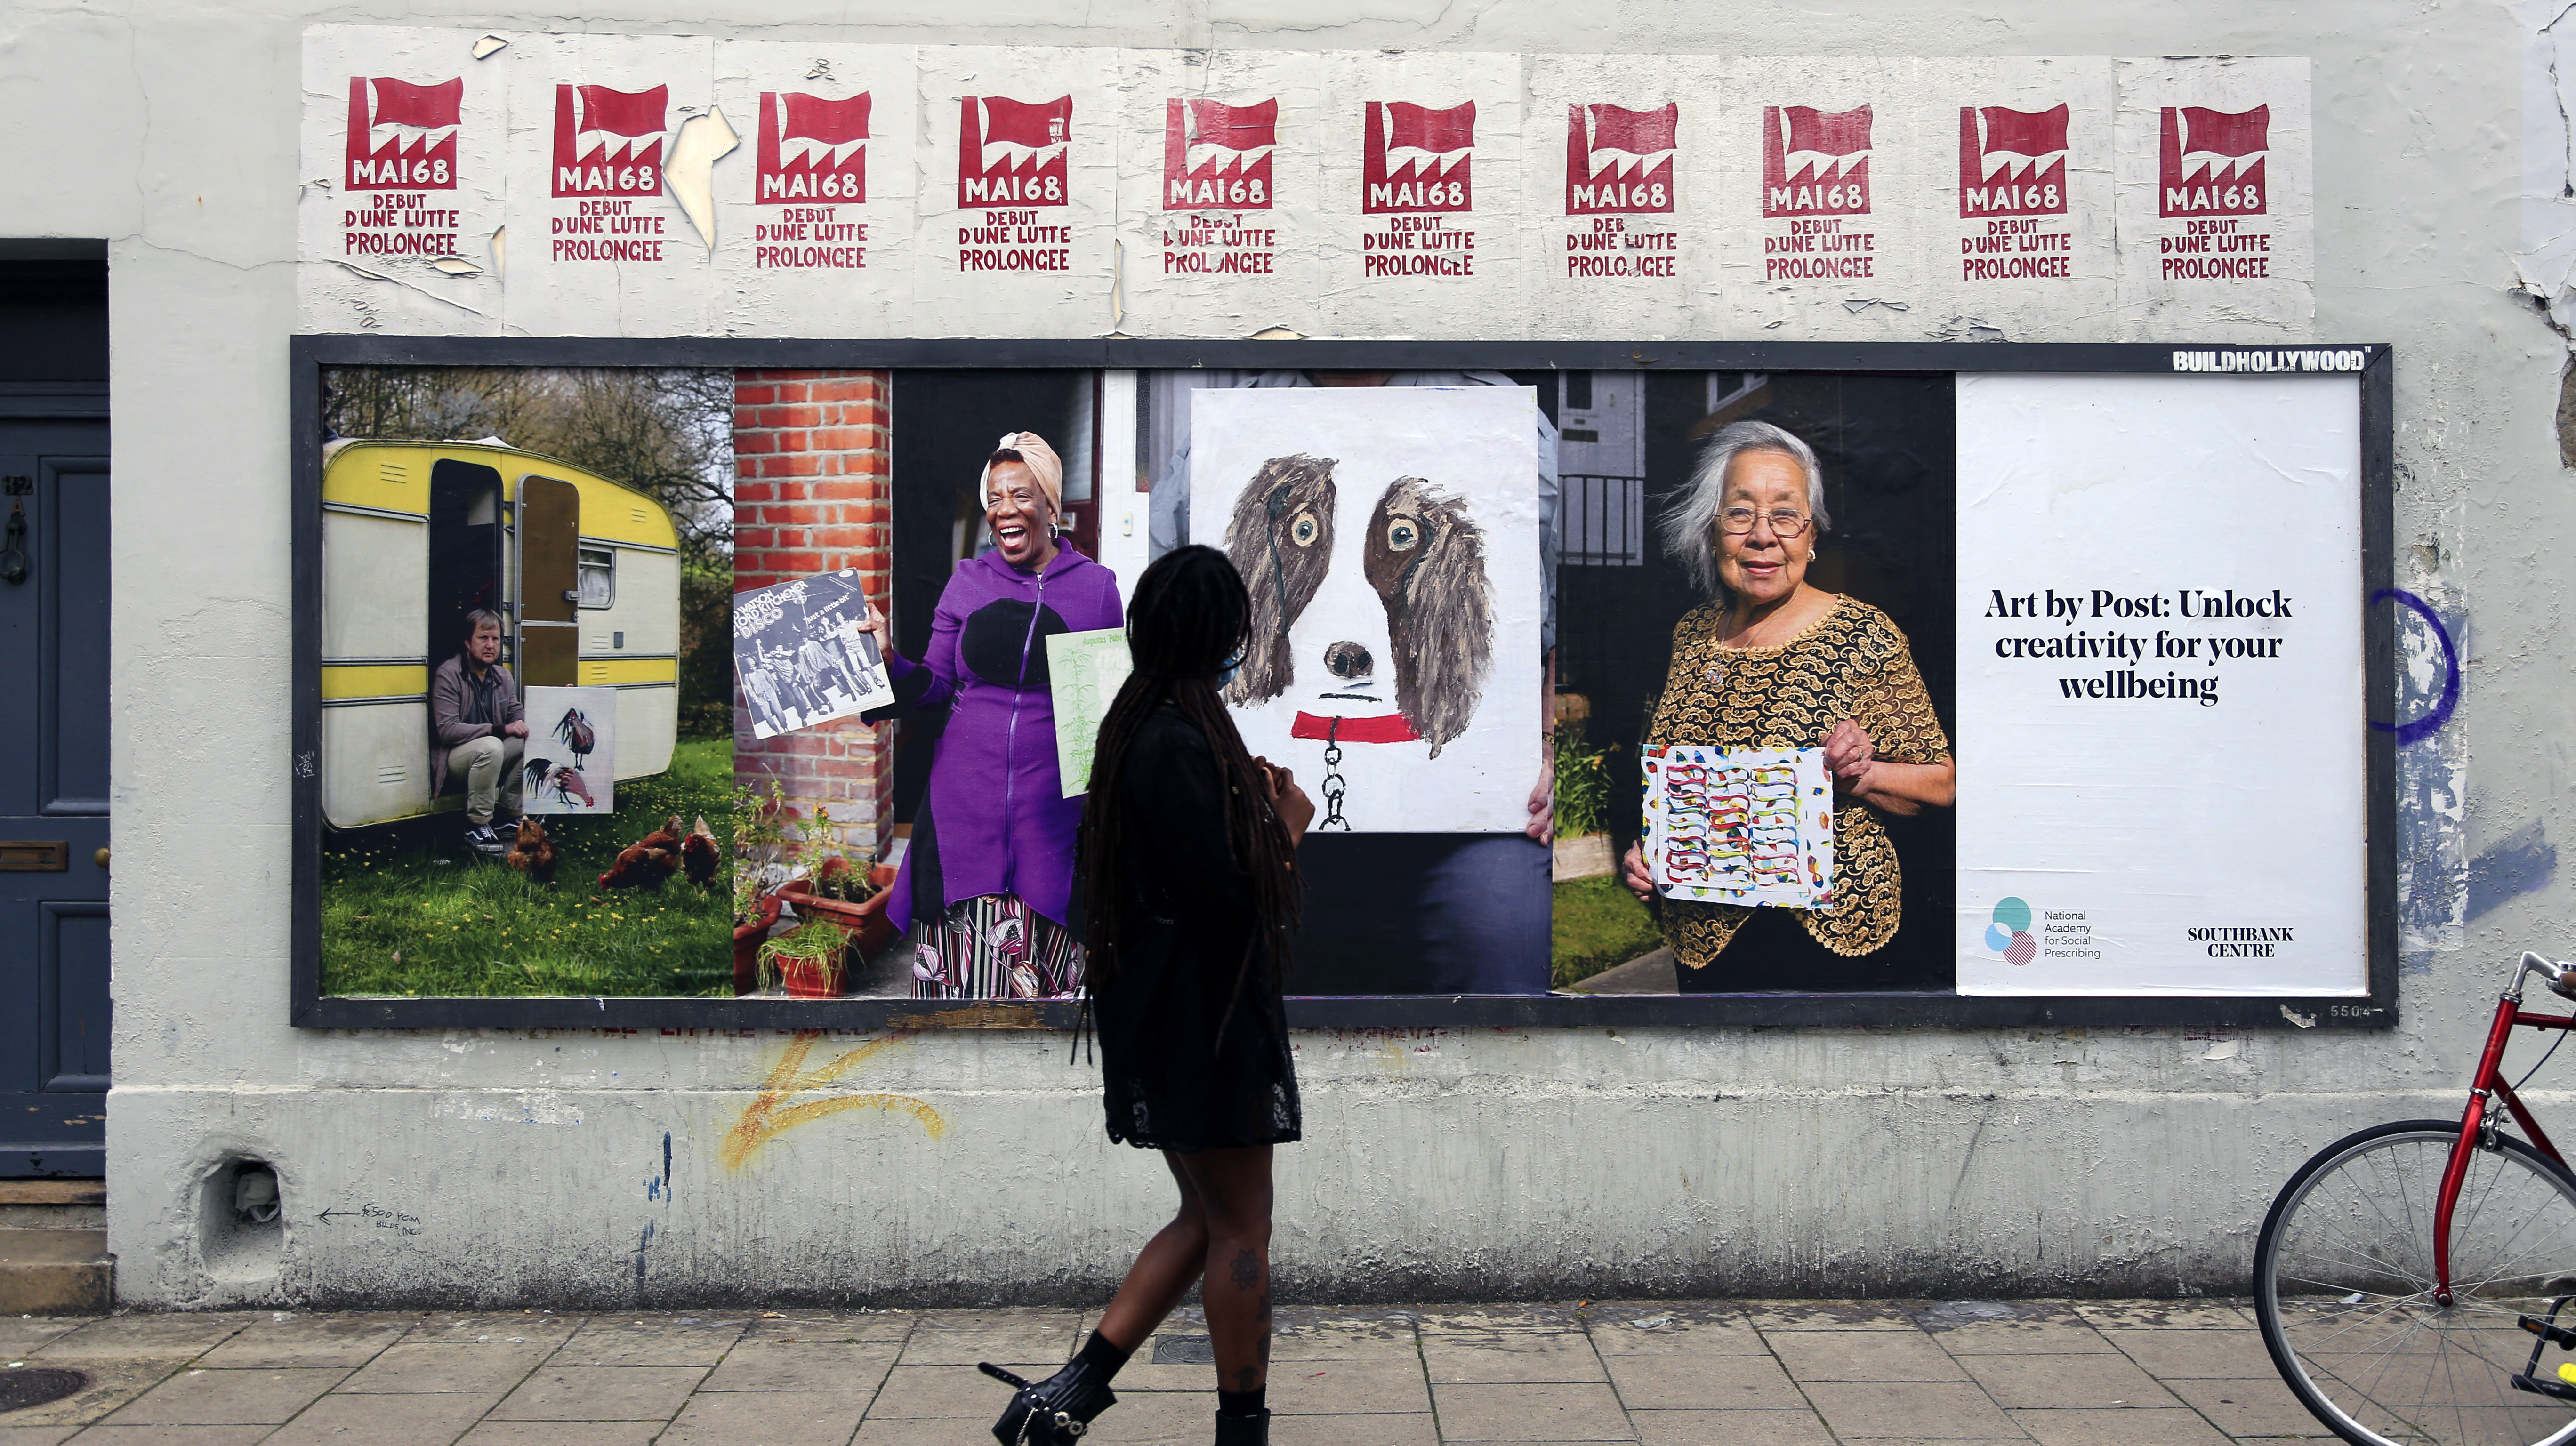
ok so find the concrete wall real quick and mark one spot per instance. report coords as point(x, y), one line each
point(570, 1166)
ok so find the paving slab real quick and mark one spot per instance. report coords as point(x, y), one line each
point(803, 1366)
point(2069, 1336)
point(2166, 1314)
point(1910, 1411)
point(175, 1435)
point(310, 1340)
point(1406, 1429)
point(962, 1338)
point(2176, 1426)
point(198, 1397)
point(947, 1392)
point(415, 1367)
point(829, 1325)
point(1829, 1315)
point(23, 1333)
point(781, 1418)
point(1672, 1328)
point(2066, 1381)
point(2250, 1408)
point(600, 1393)
point(147, 1336)
point(1863, 1355)
point(563, 1433)
point(1346, 1386)
point(35, 1435)
point(1498, 1357)
point(113, 1382)
point(1575, 1412)
point(494, 1328)
point(1730, 1428)
point(1648, 1383)
point(406, 1420)
point(2197, 1354)
point(625, 1341)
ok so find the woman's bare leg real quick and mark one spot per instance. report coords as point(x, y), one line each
point(1234, 1194)
point(1164, 1270)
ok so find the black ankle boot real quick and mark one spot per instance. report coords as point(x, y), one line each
point(1057, 1410)
point(1243, 1430)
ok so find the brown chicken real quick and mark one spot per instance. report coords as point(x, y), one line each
point(698, 852)
point(534, 853)
point(666, 838)
point(640, 867)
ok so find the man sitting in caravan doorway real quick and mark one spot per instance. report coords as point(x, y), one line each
point(480, 728)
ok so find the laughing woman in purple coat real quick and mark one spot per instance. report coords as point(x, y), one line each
point(990, 869)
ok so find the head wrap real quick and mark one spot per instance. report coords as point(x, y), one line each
point(1042, 461)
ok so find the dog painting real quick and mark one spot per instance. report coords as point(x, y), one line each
point(570, 765)
point(1388, 538)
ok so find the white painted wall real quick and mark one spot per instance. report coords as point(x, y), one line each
point(529, 1167)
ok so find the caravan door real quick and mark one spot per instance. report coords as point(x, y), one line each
point(549, 583)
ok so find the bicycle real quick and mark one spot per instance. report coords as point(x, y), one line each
point(2416, 1281)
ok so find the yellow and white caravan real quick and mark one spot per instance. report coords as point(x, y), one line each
point(417, 534)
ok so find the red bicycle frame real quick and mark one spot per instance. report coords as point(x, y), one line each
point(2489, 1087)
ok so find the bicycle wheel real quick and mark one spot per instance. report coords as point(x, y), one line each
point(2343, 1287)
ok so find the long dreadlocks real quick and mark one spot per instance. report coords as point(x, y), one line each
point(1186, 620)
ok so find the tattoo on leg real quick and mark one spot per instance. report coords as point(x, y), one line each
point(1247, 1378)
point(1246, 1270)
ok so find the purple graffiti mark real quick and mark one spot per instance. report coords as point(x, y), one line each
point(2416, 730)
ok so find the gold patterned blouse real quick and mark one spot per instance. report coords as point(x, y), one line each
point(1851, 663)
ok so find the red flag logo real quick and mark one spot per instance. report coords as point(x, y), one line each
point(1012, 152)
point(833, 122)
point(1620, 161)
point(623, 113)
point(402, 137)
point(2211, 162)
point(811, 149)
point(1815, 162)
point(2012, 162)
point(1218, 155)
point(428, 107)
point(1415, 158)
point(609, 142)
point(1411, 127)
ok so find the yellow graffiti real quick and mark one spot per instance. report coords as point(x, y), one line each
point(764, 1120)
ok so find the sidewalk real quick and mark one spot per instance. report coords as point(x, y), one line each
point(1663, 1373)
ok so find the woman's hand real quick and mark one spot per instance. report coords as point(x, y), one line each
point(1295, 809)
point(1849, 757)
point(876, 624)
point(1633, 873)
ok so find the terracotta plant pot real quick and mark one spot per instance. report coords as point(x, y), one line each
point(812, 978)
point(867, 921)
point(746, 945)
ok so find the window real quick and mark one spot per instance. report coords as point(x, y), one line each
point(598, 577)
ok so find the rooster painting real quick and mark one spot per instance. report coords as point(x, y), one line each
point(577, 735)
point(562, 782)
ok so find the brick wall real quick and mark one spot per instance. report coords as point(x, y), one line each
point(813, 492)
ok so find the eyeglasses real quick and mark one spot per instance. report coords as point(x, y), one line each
point(1784, 523)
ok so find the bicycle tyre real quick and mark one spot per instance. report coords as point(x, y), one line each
point(2343, 1276)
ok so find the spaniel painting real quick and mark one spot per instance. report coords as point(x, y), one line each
point(1388, 540)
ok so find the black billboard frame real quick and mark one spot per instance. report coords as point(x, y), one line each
point(308, 355)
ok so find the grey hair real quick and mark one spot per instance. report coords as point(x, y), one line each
point(1689, 524)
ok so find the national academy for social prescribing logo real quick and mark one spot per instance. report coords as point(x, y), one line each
point(2009, 934)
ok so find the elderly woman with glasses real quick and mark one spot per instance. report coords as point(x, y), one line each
point(1771, 662)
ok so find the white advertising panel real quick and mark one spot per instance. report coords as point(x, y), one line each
point(1389, 537)
point(2160, 686)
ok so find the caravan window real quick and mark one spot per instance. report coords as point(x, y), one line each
point(598, 576)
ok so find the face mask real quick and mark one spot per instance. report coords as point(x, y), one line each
point(1233, 666)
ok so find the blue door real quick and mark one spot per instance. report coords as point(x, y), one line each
point(53, 784)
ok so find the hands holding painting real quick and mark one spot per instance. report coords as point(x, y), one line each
point(1890, 787)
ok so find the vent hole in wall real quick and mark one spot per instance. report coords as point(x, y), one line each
point(241, 1220)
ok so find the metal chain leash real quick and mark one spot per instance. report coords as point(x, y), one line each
point(1334, 784)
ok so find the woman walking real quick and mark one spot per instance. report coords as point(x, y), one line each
point(1190, 891)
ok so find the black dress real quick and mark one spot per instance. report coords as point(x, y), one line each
point(1168, 1081)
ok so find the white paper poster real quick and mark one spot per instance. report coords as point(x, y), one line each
point(570, 765)
point(1389, 538)
point(814, 209)
point(2160, 686)
point(2217, 214)
point(403, 181)
point(2019, 220)
point(1622, 165)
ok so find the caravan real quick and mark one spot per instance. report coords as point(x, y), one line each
point(417, 534)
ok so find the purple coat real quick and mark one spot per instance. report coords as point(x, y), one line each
point(996, 820)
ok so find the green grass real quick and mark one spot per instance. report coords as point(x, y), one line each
point(1597, 925)
point(407, 909)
